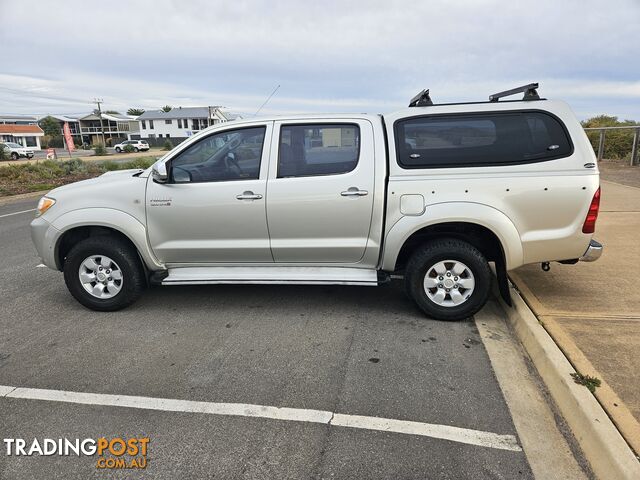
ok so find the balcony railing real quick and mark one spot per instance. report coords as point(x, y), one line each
point(120, 128)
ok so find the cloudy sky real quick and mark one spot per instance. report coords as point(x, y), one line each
point(331, 56)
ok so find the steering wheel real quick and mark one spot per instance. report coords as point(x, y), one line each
point(232, 165)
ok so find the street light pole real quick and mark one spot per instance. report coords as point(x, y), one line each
point(98, 101)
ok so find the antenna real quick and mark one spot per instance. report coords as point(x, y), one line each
point(267, 100)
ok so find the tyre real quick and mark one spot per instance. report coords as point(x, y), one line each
point(104, 273)
point(449, 279)
point(135, 149)
point(14, 156)
point(118, 149)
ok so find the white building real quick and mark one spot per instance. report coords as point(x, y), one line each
point(180, 122)
point(21, 129)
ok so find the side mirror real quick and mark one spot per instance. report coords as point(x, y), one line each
point(159, 172)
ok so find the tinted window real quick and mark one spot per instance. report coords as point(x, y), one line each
point(480, 139)
point(307, 150)
point(230, 155)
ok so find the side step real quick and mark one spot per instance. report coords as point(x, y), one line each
point(273, 275)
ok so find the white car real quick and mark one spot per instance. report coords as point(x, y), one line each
point(431, 193)
point(15, 150)
point(137, 145)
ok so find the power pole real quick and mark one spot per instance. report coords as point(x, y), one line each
point(98, 101)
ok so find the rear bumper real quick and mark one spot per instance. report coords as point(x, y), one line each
point(593, 253)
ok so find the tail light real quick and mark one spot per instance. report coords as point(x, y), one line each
point(589, 225)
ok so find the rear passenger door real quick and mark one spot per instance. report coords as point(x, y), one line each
point(320, 191)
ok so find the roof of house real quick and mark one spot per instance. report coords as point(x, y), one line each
point(17, 118)
point(62, 118)
point(8, 129)
point(179, 112)
point(114, 117)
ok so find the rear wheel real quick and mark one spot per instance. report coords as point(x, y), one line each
point(449, 279)
point(14, 156)
point(136, 149)
point(104, 273)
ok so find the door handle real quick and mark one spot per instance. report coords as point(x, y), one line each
point(249, 195)
point(354, 192)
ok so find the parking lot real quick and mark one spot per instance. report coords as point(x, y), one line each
point(365, 386)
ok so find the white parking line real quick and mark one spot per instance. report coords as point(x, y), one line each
point(445, 432)
point(17, 213)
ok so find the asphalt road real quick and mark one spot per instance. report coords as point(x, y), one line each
point(351, 350)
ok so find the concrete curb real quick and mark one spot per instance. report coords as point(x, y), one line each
point(603, 446)
point(617, 410)
point(21, 196)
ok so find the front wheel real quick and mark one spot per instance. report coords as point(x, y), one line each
point(104, 273)
point(136, 149)
point(15, 156)
point(449, 279)
point(118, 149)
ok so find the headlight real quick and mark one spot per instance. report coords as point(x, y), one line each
point(44, 204)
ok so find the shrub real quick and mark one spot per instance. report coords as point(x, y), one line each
point(128, 148)
point(48, 174)
point(617, 143)
point(99, 149)
point(167, 145)
point(3, 153)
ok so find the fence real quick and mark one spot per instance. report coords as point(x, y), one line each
point(635, 160)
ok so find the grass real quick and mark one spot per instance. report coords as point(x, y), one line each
point(49, 174)
point(590, 382)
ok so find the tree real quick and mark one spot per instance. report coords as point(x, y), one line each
point(50, 126)
point(617, 142)
point(135, 112)
point(112, 112)
point(166, 108)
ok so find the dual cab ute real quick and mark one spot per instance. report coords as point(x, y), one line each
point(432, 193)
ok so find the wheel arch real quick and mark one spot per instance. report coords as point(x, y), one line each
point(75, 226)
point(487, 229)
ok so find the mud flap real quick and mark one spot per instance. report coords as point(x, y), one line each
point(503, 282)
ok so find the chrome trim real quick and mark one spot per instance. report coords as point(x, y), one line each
point(593, 253)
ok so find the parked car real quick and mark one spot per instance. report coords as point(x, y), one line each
point(432, 193)
point(15, 150)
point(137, 145)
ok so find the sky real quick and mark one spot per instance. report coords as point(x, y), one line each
point(327, 56)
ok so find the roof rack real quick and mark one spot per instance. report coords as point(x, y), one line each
point(530, 93)
point(421, 100)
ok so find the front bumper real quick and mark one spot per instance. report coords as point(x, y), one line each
point(593, 253)
point(44, 236)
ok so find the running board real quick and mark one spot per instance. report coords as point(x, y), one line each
point(273, 275)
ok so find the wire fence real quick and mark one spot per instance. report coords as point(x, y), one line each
point(600, 151)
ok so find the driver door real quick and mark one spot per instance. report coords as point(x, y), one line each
point(212, 209)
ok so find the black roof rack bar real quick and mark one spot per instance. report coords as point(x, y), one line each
point(421, 100)
point(530, 93)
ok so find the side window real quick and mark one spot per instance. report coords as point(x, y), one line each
point(229, 155)
point(308, 150)
point(480, 139)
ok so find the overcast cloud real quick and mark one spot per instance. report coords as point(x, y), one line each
point(339, 56)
